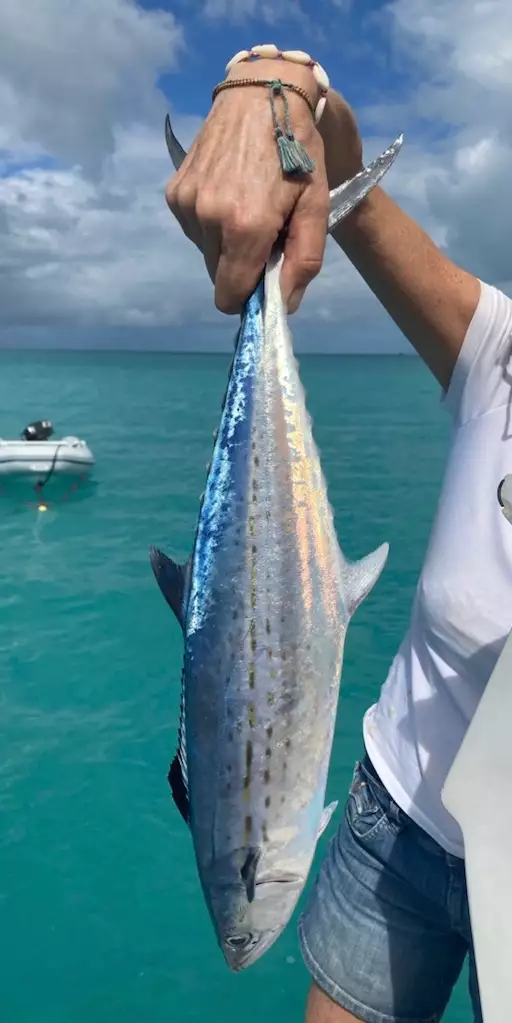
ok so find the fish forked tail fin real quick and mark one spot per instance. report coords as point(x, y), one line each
point(346, 197)
point(342, 200)
point(359, 577)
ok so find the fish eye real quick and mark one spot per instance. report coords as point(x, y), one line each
point(239, 941)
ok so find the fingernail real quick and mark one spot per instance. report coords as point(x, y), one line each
point(295, 299)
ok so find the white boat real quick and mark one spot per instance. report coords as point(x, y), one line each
point(37, 453)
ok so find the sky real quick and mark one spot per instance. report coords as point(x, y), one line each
point(90, 255)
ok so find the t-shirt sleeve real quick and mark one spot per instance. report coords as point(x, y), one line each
point(482, 377)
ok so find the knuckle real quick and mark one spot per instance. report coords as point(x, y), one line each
point(181, 195)
point(246, 225)
point(309, 267)
point(208, 209)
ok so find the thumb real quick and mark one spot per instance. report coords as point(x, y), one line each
point(305, 243)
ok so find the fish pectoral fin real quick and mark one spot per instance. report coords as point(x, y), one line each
point(248, 872)
point(326, 817)
point(179, 788)
point(359, 577)
point(171, 579)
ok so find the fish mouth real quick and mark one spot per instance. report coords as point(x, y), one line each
point(239, 958)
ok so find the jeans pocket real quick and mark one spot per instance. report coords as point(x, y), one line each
point(370, 810)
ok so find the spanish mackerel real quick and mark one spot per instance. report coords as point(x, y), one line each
point(264, 603)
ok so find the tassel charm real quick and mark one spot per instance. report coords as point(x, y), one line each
point(293, 156)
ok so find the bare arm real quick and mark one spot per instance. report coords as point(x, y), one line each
point(430, 299)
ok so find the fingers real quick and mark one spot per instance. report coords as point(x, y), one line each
point(305, 243)
point(246, 246)
point(181, 200)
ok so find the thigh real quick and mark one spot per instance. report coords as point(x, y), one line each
point(375, 934)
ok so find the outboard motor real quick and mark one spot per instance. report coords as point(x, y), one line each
point(42, 430)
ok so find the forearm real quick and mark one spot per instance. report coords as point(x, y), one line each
point(430, 299)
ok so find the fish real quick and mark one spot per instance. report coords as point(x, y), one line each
point(264, 603)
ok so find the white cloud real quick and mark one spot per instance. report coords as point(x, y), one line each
point(70, 72)
point(464, 56)
point(85, 235)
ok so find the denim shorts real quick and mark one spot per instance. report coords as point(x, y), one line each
point(386, 928)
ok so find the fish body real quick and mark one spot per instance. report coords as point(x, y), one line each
point(264, 603)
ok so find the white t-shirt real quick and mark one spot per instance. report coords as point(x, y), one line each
point(462, 611)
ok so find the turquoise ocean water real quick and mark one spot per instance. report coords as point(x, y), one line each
point(100, 912)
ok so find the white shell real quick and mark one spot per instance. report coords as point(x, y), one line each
point(296, 56)
point(321, 77)
point(320, 107)
point(268, 50)
point(241, 55)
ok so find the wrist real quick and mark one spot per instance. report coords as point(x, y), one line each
point(343, 148)
point(297, 74)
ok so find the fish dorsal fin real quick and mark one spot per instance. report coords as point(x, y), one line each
point(172, 580)
point(326, 817)
point(178, 773)
point(359, 577)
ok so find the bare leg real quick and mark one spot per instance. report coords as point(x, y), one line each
point(321, 1009)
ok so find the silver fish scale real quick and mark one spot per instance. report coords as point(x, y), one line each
point(283, 697)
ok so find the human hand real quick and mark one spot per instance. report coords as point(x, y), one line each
point(233, 201)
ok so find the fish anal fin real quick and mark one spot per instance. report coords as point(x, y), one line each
point(326, 817)
point(171, 579)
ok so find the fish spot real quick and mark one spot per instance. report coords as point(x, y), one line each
point(269, 652)
point(248, 828)
point(287, 743)
point(266, 777)
point(234, 615)
point(230, 736)
point(268, 626)
point(271, 699)
point(268, 752)
point(264, 831)
point(283, 655)
point(254, 549)
point(252, 714)
point(256, 460)
point(283, 799)
point(268, 802)
point(270, 731)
